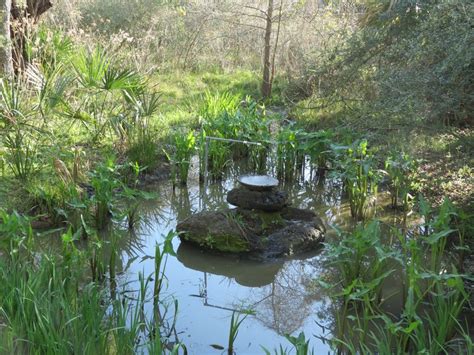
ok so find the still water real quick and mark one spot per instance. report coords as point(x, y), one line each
point(283, 294)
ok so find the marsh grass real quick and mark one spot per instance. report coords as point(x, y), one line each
point(432, 290)
point(48, 303)
point(183, 148)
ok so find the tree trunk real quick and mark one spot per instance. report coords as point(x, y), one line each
point(6, 65)
point(275, 48)
point(266, 83)
point(23, 16)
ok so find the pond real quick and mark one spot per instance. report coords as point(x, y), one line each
point(282, 294)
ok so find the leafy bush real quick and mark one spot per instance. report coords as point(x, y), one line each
point(409, 62)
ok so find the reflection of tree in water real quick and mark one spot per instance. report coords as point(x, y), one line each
point(180, 202)
point(215, 196)
point(289, 300)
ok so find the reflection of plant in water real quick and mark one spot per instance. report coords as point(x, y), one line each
point(75, 312)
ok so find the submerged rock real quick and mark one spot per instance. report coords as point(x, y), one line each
point(269, 201)
point(268, 235)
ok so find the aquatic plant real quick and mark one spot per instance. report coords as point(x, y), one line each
point(105, 181)
point(318, 146)
point(289, 152)
point(217, 158)
point(141, 145)
point(185, 145)
point(432, 290)
point(357, 168)
point(401, 169)
point(16, 234)
point(300, 346)
point(235, 323)
point(242, 121)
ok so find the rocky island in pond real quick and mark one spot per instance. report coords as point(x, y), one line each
point(263, 223)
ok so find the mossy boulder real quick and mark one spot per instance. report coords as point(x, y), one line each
point(267, 234)
point(221, 231)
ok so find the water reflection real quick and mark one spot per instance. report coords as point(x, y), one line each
point(288, 301)
point(208, 287)
point(245, 272)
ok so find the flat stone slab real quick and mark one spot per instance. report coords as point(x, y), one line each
point(269, 201)
point(258, 182)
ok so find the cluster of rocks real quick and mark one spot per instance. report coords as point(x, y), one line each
point(262, 224)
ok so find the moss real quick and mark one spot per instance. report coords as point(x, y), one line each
point(270, 220)
point(226, 243)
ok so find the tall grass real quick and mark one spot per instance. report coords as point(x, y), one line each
point(226, 116)
point(182, 150)
point(49, 304)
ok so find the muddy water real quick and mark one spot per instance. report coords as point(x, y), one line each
point(282, 294)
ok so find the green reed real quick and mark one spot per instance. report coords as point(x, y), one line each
point(185, 145)
point(235, 323)
point(52, 306)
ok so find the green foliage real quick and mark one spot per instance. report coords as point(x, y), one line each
point(235, 323)
point(300, 344)
point(105, 90)
point(355, 261)
point(318, 145)
point(142, 146)
point(16, 234)
point(21, 153)
point(50, 306)
point(409, 62)
point(182, 150)
point(225, 116)
point(358, 169)
point(289, 152)
point(432, 290)
point(401, 169)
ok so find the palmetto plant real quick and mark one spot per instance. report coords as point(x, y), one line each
point(105, 90)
